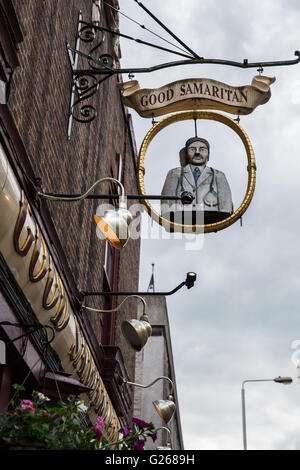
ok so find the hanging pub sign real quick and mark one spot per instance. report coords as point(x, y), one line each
point(205, 203)
point(196, 197)
point(196, 93)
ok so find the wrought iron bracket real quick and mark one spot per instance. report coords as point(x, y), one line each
point(108, 70)
point(86, 83)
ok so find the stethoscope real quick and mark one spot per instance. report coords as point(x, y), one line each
point(209, 203)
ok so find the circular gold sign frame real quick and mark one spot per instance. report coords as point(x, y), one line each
point(251, 168)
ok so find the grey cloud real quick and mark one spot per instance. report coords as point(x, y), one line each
point(242, 316)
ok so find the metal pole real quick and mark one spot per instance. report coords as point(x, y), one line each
point(244, 407)
point(110, 196)
point(91, 293)
point(245, 64)
point(244, 417)
point(74, 65)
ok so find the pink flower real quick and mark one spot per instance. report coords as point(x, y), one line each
point(100, 423)
point(154, 437)
point(139, 445)
point(98, 433)
point(27, 404)
point(99, 427)
point(140, 423)
point(127, 431)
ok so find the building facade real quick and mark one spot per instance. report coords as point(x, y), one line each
point(154, 361)
point(50, 250)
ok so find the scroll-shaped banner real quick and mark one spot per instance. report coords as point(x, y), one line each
point(196, 93)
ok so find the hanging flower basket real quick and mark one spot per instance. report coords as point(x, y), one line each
point(32, 425)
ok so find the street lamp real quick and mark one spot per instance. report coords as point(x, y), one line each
point(281, 380)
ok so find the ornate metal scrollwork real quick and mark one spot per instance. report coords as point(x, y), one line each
point(87, 112)
point(87, 33)
point(86, 87)
point(105, 59)
point(85, 83)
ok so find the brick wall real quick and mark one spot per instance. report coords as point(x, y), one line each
point(39, 103)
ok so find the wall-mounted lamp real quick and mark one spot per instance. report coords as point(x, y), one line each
point(136, 332)
point(164, 408)
point(114, 224)
point(189, 282)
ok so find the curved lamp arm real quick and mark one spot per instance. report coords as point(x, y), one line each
point(113, 224)
point(152, 383)
point(119, 306)
point(84, 195)
point(163, 427)
point(169, 443)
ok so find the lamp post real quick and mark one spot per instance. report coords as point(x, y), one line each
point(281, 380)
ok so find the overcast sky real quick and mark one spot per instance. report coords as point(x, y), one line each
point(242, 318)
